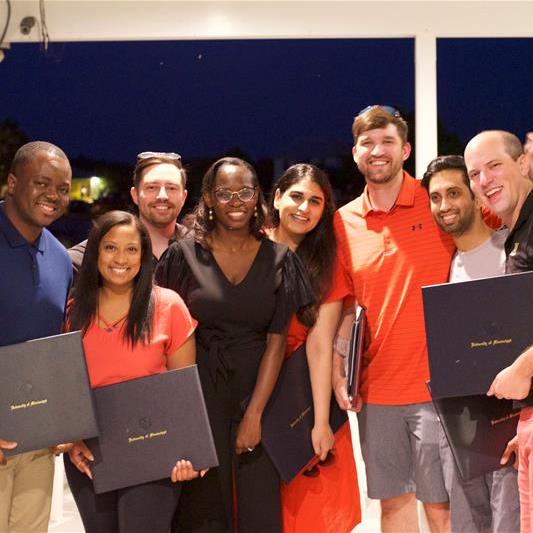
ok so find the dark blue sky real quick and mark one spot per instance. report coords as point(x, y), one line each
point(112, 100)
point(200, 98)
point(486, 84)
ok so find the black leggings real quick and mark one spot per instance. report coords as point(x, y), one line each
point(207, 504)
point(143, 508)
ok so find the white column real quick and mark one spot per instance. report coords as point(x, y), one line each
point(425, 100)
point(56, 513)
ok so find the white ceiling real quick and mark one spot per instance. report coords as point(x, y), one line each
point(82, 20)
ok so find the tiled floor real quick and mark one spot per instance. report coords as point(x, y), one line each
point(69, 520)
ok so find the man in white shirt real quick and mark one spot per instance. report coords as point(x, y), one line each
point(489, 502)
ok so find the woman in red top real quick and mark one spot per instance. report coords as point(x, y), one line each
point(130, 329)
point(325, 498)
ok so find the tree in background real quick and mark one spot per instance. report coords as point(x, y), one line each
point(11, 139)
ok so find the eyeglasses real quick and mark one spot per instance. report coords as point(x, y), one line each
point(387, 108)
point(224, 196)
point(166, 155)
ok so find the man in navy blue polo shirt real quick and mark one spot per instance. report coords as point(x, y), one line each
point(34, 285)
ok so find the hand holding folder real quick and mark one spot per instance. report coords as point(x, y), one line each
point(511, 383)
point(184, 471)
point(45, 396)
point(288, 418)
point(479, 430)
point(81, 457)
point(145, 437)
point(5, 445)
point(355, 356)
point(487, 324)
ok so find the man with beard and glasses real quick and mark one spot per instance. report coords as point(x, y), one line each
point(499, 173)
point(34, 285)
point(388, 248)
point(489, 502)
point(159, 182)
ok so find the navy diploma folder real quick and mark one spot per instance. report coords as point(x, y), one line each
point(477, 429)
point(355, 355)
point(474, 329)
point(45, 395)
point(146, 425)
point(289, 418)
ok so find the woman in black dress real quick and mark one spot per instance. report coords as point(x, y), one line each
point(242, 289)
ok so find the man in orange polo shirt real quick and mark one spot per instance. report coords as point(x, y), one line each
point(389, 247)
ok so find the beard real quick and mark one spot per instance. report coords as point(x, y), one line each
point(380, 176)
point(159, 220)
point(463, 224)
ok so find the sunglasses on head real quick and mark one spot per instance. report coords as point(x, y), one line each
point(167, 155)
point(387, 108)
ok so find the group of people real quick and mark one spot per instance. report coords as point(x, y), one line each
point(241, 287)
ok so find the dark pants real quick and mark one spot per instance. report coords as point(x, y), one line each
point(143, 508)
point(258, 505)
point(207, 505)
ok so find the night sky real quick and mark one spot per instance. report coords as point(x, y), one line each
point(485, 84)
point(112, 100)
point(269, 98)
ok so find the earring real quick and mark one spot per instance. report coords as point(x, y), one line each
point(210, 214)
point(255, 212)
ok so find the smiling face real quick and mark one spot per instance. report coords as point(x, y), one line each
point(498, 181)
point(380, 153)
point(160, 195)
point(452, 204)
point(300, 207)
point(235, 214)
point(119, 256)
point(38, 193)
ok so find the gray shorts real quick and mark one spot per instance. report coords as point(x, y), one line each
point(485, 503)
point(400, 446)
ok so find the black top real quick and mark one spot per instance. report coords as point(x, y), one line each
point(235, 319)
point(519, 252)
point(519, 243)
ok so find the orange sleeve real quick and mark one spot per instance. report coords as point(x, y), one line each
point(180, 322)
point(492, 220)
point(341, 286)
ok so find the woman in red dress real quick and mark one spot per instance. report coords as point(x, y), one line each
point(325, 498)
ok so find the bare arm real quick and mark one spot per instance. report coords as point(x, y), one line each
point(185, 355)
point(319, 358)
point(514, 382)
point(249, 431)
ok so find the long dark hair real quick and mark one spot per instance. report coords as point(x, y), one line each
point(318, 248)
point(202, 226)
point(138, 325)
